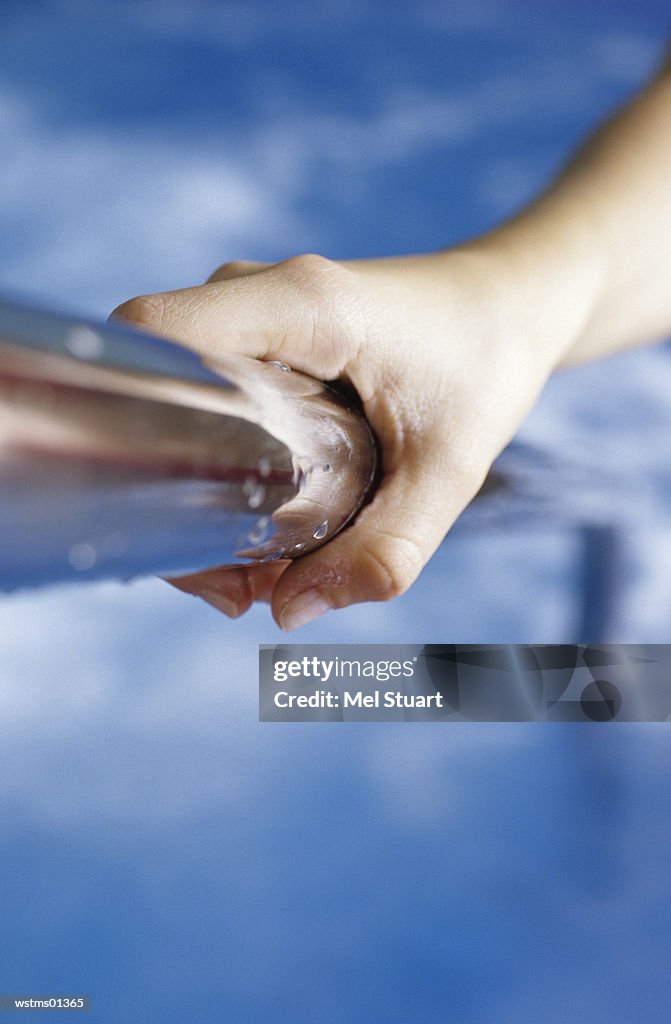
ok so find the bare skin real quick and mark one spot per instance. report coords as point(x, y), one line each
point(448, 351)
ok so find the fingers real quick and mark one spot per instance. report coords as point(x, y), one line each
point(376, 559)
point(382, 553)
point(283, 311)
point(232, 590)
point(222, 316)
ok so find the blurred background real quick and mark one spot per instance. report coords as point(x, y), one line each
point(162, 850)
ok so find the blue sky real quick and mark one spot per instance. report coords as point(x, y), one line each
point(145, 143)
point(160, 848)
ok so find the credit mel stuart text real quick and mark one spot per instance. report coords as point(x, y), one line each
point(461, 683)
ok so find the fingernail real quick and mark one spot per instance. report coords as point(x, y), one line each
point(221, 603)
point(303, 609)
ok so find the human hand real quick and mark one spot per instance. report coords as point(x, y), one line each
point(447, 351)
point(438, 354)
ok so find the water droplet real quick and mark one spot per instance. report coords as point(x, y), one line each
point(321, 530)
point(259, 531)
point(279, 365)
point(299, 546)
point(84, 343)
point(254, 492)
point(265, 466)
point(82, 556)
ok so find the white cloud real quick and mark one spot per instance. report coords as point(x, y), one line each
point(93, 214)
point(235, 24)
point(626, 57)
point(417, 776)
point(622, 405)
point(102, 719)
point(487, 16)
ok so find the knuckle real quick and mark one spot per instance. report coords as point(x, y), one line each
point(234, 268)
point(311, 273)
point(314, 291)
point(307, 263)
point(390, 564)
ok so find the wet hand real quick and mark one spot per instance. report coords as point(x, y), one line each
point(433, 347)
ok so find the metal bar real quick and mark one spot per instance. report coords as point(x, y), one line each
point(122, 453)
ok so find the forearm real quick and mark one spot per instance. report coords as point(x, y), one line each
point(590, 260)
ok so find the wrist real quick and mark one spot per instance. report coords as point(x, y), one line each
point(544, 274)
